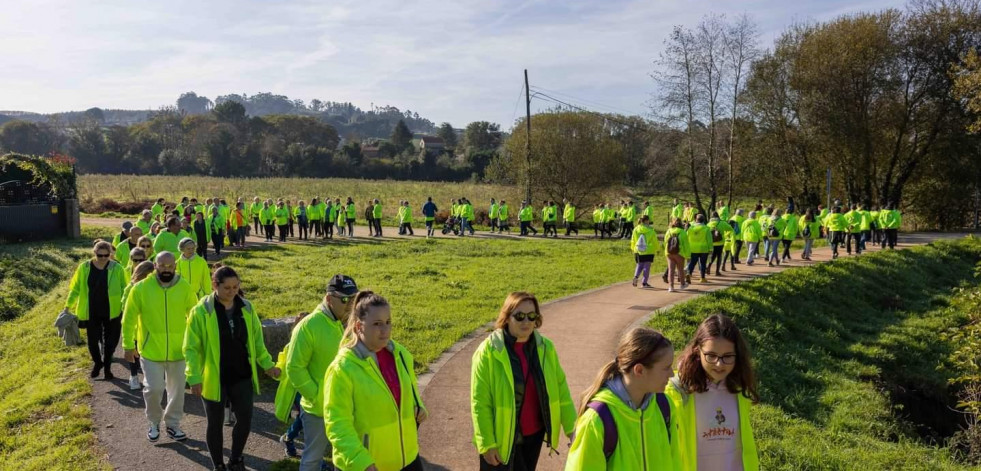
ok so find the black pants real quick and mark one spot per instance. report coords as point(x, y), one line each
point(329, 229)
point(524, 456)
point(628, 229)
point(304, 230)
point(730, 258)
point(283, 230)
point(202, 249)
point(571, 227)
point(786, 249)
point(350, 227)
point(218, 240)
point(406, 227)
point(257, 225)
point(848, 242)
point(270, 231)
point(290, 225)
point(493, 224)
point(739, 248)
point(103, 336)
point(716, 258)
point(837, 237)
point(240, 397)
point(891, 236)
point(317, 230)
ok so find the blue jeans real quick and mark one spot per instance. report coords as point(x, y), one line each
point(315, 444)
point(297, 426)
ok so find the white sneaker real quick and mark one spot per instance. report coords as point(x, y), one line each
point(134, 383)
point(176, 434)
point(153, 433)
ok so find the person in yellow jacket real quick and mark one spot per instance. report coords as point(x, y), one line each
point(267, 216)
point(194, 269)
point(890, 219)
point(146, 220)
point(167, 241)
point(372, 405)
point(519, 398)
point(281, 216)
point(854, 233)
point(598, 229)
point(791, 227)
point(255, 212)
point(126, 245)
point(351, 212)
point(525, 216)
point(503, 211)
point(719, 231)
point(569, 217)
point(313, 346)
point(154, 319)
point(676, 250)
point(712, 395)
point(643, 244)
point(238, 222)
point(376, 217)
point(677, 211)
point(837, 228)
point(223, 350)
point(628, 393)
point(700, 242)
point(773, 234)
point(810, 230)
point(751, 233)
point(95, 296)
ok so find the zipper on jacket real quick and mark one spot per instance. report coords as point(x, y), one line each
point(398, 410)
point(643, 441)
point(166, 328)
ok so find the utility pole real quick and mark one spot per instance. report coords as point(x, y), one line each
point(527, 140)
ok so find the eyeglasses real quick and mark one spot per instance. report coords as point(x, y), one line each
point(342, 299)
point(521, 316)
point(725, 359)
point(145, 246)
point(102, 255)
point(138, 260)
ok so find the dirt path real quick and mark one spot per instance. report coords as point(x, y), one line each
point(445, 439)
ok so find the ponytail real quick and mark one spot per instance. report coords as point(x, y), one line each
point(641, 345)
point(362, 302)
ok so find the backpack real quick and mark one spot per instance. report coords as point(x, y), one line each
point(674, 244)
point(807, 230)
point(716, 235)
point(772, 231)
point(610, 434)
point(735, 227)
point(641, 243)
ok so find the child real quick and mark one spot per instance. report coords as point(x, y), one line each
point(628, 393)
point(712, 395)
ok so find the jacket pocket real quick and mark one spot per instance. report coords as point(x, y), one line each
point(145, 341)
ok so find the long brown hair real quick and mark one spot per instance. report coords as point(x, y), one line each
point(511, 303)
point(362, 302)
point(641, 345)
point(692, 376)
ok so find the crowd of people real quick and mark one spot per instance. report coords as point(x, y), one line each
point(186, 325)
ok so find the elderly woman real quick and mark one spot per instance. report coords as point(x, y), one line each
point(95, 296)
point(519, 398)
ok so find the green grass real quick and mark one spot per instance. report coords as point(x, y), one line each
point(45, 422)
point(440, 289)
point(830, 341)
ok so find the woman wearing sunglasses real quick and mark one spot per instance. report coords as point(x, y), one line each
point(95, 296)
point(519, 397)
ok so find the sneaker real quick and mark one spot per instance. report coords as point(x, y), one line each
point(645, 285)
point(687, 279)
point(702, 280)
point(237, 465)
point(685, 285)
point(634, 282)
point(153, 433)
point(96, 369)
point(134, 383)
point(108, 376)
point(665, 278)
point(176, 434)
point(671, 290)
point(289, 446)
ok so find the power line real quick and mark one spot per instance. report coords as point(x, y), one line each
point(583, 100)
point(546, 97)
point(516, 101)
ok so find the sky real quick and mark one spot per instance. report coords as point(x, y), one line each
point(455, 61)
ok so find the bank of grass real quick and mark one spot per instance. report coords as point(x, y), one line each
point(852, 365)
point(440, 289)
point(45, 421)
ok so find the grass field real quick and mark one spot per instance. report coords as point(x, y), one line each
point(852, 362)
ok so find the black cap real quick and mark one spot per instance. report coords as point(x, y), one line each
point(342, 284)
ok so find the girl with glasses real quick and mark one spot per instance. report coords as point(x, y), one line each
point(95, 296)
point(712, 394)
point(519, 398)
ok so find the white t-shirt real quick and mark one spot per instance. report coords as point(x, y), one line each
point(717, 429)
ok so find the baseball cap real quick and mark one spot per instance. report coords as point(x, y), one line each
point(342, 284)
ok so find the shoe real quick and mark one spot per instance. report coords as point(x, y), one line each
point(237, 465)
point(701, 280)
point(645, 285)
point(723, 269)
point(671, 290)
point(719, 274)
point(96, 369)
point(769, 264)
point(153, 433)
point(176, 434)
point(634, 282)
point(687, 280)
point(685, 285)
point(108, 376)
point(134, 383)
point(289, 446)
point(732, 268)
point(665, 278)
point(221, 467)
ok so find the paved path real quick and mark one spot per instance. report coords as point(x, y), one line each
point(445, 438)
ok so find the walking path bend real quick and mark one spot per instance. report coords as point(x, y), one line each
point(445, 439)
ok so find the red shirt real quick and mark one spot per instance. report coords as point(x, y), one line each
point(386, 363)
point(531, 414)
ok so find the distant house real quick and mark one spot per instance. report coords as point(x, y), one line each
point(371, 151)
point(432, 144)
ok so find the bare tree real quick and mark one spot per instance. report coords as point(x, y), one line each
point(742, 49)
point(711, 42)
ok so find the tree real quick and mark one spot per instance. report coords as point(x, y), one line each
point(230, 112)
point(28, 138)
point(401, 136)
point(741, 51)
point(448, 135)
point(191, 103)
point(94, 114)
point(480, 136)
point(575, 158)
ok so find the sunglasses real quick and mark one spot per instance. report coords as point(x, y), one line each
point(138, 260)
point(102, 255)
point(342, 299)
point(521, 316)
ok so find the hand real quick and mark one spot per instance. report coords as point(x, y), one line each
point(492, 457)
point(371, 468)
point(421, 415)
point(196, 389)
point(273, 372)
point(130, 355)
